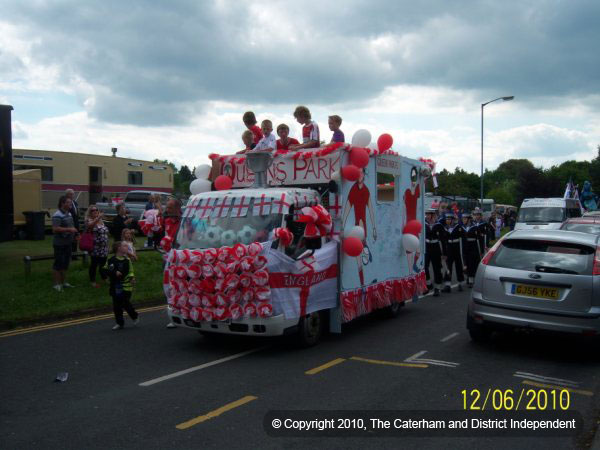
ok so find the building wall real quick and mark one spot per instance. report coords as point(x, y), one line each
point(26, 193)
point(63, 170)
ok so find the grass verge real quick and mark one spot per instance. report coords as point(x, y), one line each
point(31, 299)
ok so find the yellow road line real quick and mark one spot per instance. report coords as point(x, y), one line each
point(558, 388)
point(216, 412)
point(390, 363)
point(325, 366)
point(68, 323)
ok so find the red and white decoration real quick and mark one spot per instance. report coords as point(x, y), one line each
point(431, 169)
point(318, 221)
point(223, 287)
point(262, 205)
point(251, 281)
point(361, 301)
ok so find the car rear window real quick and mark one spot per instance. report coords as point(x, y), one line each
point(582, 227)
point(544, 256)
point(541, 214)
point(137, 197)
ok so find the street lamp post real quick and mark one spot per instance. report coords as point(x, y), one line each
point(506, 99)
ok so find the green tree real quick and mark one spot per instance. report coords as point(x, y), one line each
point(501, 195)
point(595, 172)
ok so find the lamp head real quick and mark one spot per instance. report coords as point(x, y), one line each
point(506, 99)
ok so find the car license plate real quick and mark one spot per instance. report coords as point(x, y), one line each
point(527, 290)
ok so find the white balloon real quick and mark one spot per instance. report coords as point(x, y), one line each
point(198, 186)
point(410, 242)
point(361, 138)
point(336, 175)
point(202, 171)
point(357, 232)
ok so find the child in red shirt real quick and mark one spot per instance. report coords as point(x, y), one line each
point(284, 142)
point(310, 129)
point(250, 121)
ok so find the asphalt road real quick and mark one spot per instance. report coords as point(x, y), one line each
point(105, 403)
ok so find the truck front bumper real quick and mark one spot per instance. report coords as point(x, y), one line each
point(272, 326)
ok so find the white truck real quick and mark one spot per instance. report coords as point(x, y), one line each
point(230, 271)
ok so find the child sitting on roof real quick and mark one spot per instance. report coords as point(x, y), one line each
point(268, 143)
point(334, 125)
point(250, 121)
point(310, 129)
point(284, 142)
point(248, 140)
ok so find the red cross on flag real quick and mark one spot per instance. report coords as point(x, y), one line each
point(297, 292)
point(205, 207)
point(262, 205)
point(191, 207)
point(280, 206)
point(334, 207)
point(240, 206)
point(221, 208)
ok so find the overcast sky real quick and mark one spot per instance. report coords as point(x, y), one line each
point(172, 79)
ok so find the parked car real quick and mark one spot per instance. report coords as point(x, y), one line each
point(544, 279)
point(546, 213)
point(135, 203)
point(586, 224)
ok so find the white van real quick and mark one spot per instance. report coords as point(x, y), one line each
point(546, 213)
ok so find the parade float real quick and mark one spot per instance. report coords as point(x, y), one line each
point(297, 242)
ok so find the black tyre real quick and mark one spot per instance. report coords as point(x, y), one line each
point(310, 329)
point(393, 310)
point(478, 332)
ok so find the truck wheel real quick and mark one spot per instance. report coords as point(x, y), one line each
point(478, 332)
point(393, 310)
point(310, 329)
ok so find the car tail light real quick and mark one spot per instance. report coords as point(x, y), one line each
point(491, 251)
point(596, 269)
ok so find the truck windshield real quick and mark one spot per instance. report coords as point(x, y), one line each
point(195, 233)
point(541, 214)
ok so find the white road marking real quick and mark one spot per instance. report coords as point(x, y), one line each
point(533, 376)
point(200, 367)
point(415, 358)
point(416, 355)
point(450, 336)
point(435, 362)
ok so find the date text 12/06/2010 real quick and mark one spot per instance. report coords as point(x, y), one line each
point(511, 400)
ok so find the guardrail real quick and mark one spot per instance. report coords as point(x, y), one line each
point(29, 259)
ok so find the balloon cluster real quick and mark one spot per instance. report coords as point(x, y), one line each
point(218, 284)
point(201, 183)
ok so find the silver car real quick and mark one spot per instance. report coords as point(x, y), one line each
point(544, 279)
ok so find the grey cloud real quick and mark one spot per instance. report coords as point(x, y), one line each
point(545, 141)
point(154, 63)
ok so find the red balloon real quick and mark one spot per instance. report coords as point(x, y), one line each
point(352, 246)
point(384, 142)
point(223, 182)
point(413, 227)
point(359, 157)
point(350, 172)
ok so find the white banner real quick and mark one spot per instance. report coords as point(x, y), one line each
point(288, 171)
point(296, 291)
